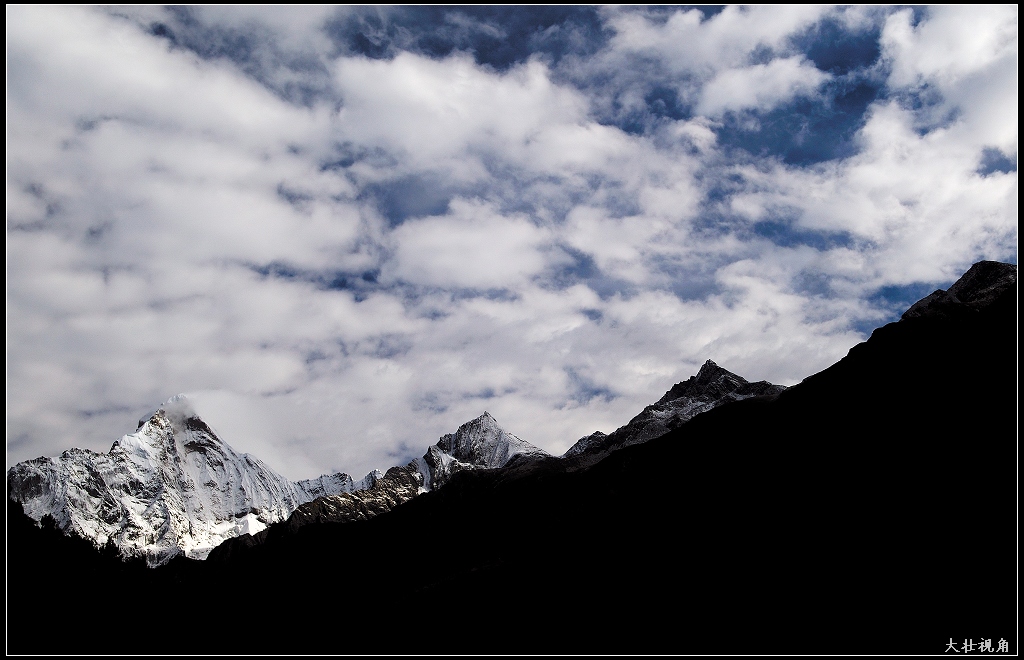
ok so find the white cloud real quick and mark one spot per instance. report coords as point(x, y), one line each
point(968, 55)
point(172, 228)
point(739, 58)
point(917, 201)
point(473, 247)
point(951, 43)
point(760, 87)
point(688, 43)
point(434, 111)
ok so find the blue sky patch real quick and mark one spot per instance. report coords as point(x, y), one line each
point(993, 160)
point(190, 196)
point(409, 197)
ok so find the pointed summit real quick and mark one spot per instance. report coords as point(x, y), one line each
point(711, 387)
point(976, 289)
point(172, 487)
point(480, 443)
point(483, 443)
point(712, 382)
point(178, 407)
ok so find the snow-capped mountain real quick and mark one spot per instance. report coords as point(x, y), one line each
point(815, 505)
point(171, 487)
point(711, 387)
point(478, 444)
point(174, 487)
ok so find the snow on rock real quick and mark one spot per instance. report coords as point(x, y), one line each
point(711, 387)
point(478, 444)
point(172, 487)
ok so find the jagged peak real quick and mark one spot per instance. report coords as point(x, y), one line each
point(486, 418)
point(709, 371)
point(369, 481)
point(976, 289)
point(177, 416)
point(709, 375)
point(178, 409)
point(482, 442)
point(485, 423)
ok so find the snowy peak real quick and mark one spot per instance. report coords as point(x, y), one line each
point(175, 487)
point(171, 487)
point(483, 443)
point(477, 444)
point(179, 412)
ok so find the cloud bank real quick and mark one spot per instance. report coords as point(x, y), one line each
point(344, 232)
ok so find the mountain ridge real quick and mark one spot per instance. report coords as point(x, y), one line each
point(870, 507)
point(80, 486)
point(144, 497)
point(171, 487)
point(712, 386)
point(174, 487)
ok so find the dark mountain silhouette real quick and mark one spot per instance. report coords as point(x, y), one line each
point(711, 387)
point(870, 509)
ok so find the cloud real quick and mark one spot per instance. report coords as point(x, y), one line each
point(472, 248)
point(760, 87)
point(954, 42)
point(346, 232)
point(961, 66)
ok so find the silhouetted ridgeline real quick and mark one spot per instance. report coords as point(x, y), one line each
point(869, 509)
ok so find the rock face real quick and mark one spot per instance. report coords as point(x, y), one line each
point(815, 511)
point(711, 387)
point(974, 291)
point(171, 487)
point(478, 444)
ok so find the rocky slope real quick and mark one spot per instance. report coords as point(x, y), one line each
point(882, 489)
point(479, 444)
point(174, 487)
point(476, 445)
point(977, 289)
point(711, 387)
point(171, 487)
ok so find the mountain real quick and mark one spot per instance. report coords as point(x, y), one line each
point(171, 487)
point(711, 387)
point(980, 287)
point(871, 508)
point(483, 444)
point(174, 487)
point(480, 444)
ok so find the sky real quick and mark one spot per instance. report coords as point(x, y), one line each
point(343, 232)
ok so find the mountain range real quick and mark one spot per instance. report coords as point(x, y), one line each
point(175, 488)
point(870, 508)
